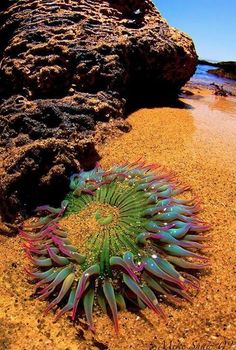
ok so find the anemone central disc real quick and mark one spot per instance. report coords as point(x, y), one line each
point(120, 236)
point(87, 225)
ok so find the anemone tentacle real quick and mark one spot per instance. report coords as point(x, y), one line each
point(138, 246)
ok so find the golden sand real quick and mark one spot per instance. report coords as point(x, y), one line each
point(198, 141)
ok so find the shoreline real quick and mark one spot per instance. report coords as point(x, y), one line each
point(222, 69)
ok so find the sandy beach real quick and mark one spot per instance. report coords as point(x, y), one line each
point(197, 140)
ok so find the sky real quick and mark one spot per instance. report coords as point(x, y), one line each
point(210, 23)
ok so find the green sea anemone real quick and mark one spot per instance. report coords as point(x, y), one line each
point(121, 236)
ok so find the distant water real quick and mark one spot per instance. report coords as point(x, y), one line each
point(202, 77)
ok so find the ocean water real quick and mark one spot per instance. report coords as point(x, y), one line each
point(202, 77)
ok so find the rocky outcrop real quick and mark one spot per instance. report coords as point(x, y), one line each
point(225, 70)
point(66, 67)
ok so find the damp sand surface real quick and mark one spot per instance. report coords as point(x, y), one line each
point(197, 140)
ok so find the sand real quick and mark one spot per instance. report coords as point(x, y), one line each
point(197, 140)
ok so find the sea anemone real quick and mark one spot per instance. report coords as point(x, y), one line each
point(120, 237)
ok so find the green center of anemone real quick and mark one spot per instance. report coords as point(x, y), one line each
point(103, 220)
point(107, 223)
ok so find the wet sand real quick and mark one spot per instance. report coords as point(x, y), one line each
point(197, 140)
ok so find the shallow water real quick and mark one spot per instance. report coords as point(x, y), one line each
point(202, 77)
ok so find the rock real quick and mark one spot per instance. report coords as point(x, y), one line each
point(37, 172)
point(65, 67)
point(225, 70)
point(219, 90)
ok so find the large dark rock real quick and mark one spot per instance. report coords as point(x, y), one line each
point(65, 66)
